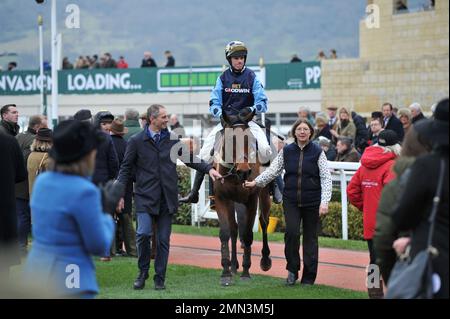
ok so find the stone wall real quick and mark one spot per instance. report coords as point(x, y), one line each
point(406, 60)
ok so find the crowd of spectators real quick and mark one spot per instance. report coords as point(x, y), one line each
point(106, 61)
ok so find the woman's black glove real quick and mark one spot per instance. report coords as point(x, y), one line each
point(112, 192)
point(247, 114)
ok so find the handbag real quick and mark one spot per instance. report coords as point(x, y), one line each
point(412, 279)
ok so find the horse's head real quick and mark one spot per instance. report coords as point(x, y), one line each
point(238, 148)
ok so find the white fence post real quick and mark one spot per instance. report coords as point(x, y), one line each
point(344, 205)
point(346, 171)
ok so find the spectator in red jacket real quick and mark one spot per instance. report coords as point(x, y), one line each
point(122, 64)
point(364, 190)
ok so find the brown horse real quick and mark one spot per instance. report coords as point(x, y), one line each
point(237, 164)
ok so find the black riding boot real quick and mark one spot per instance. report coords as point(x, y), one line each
point(276, 193)
point(212, 198)
point(192, 197)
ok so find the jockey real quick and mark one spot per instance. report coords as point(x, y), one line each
point(238, 92)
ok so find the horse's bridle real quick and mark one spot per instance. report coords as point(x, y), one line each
point(232, 168)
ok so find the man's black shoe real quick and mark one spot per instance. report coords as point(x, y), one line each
point(139, 283)
point(291, 279)
point(159, 285)
point(191, 198)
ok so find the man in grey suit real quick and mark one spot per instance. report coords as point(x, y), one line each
point(150, 154)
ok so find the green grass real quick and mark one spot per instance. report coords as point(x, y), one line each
point(275, 237)
point(185, 282)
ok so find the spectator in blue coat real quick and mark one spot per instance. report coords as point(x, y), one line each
point(69, 223)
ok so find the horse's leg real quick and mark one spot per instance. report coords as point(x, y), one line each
point(233, 234)
point(246, 234)
point(264, 205)
point(223, 210)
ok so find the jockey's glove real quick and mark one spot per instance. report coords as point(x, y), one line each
point(247, 114)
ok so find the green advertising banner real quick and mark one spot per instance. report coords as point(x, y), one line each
point(21, 83)
point(195, 79)
point(107, 81)
point(150, 80)
point(297, 76)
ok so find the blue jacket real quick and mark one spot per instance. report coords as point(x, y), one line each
point(234, 91)
point(68, 227)
point(302, 178)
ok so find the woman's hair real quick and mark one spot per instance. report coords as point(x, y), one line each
point(40, 146)
point(81, 167)
point(321, 119)
point(343, 109)
point(297, 123)
point(404, 112)
point(414, 144)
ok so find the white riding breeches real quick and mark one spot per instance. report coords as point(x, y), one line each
point(264, 148)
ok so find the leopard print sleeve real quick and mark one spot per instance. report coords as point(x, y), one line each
point(275, 169)
point(325, 179)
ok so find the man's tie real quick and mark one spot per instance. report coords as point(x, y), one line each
point(156, 138)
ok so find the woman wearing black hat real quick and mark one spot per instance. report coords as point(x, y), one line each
point(38, 159)
point(415, 205)
point(69, 224)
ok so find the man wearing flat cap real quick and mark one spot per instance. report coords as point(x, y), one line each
point(332, 116)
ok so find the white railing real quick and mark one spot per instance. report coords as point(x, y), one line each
point(341, 172)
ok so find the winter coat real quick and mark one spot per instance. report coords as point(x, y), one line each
point(25, 140)
point(364, 190)
point(395, 125)
point(156, 173)
point(415, 207)
point(9, 128)
point(69, 226)
point(37, 163)
point(106, 162)
point(12, 171)
point(418, 118)
point(325, 132)
point(348, 131)
point(362, 133)
point(385, 230)
point(349, 156)
point(121, 146)
point(133, 127)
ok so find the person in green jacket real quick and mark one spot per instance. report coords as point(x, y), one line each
point(385, 230)
point(132, 123)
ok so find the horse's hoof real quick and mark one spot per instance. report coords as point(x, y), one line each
point(226, 281)
point(246, 278)
point(266, 264)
